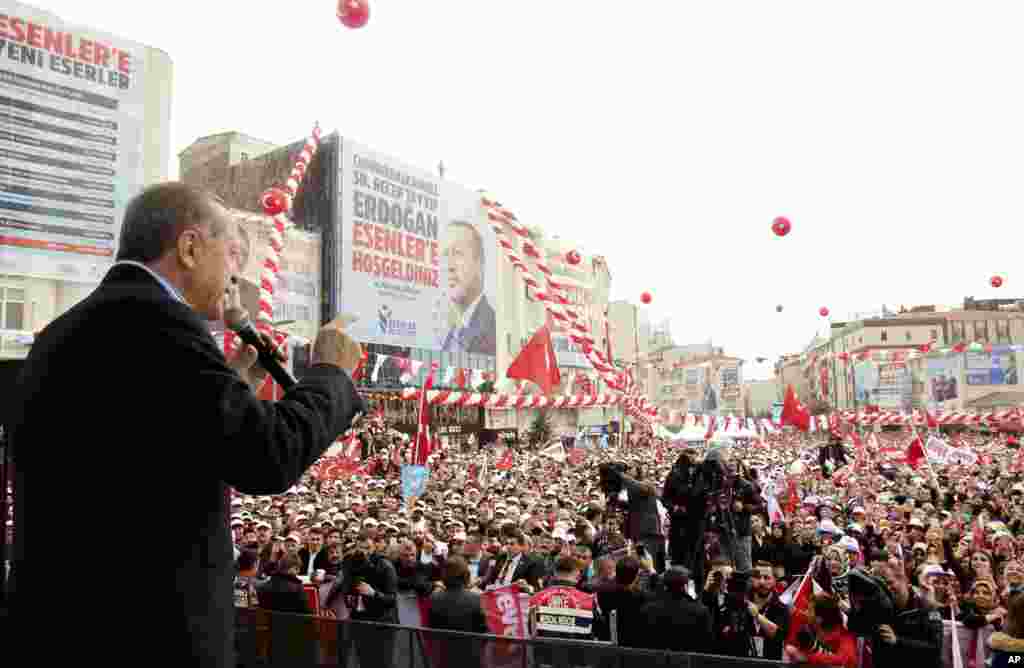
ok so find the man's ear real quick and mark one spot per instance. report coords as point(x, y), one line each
point(188, 249)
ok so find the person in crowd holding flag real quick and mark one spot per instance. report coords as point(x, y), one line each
point(912, 635)
point(826, 642)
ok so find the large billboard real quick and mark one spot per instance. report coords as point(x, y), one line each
point(417, 259)
point(943, 378)
point(72, 121)
point(998, 367)
point(729, 381)
point(888, 386)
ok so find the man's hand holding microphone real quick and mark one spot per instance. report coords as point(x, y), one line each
point(333, 346)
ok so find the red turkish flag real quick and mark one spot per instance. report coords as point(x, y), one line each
point(421, 446)
point(537, 362)
point(915, 452)
point(794, 413)
point(506, 461)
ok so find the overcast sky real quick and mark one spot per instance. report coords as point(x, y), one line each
point(665, 135)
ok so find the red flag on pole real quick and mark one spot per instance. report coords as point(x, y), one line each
point(421, 448)
point(794, 413)
point(915, 452)
point(537, 362)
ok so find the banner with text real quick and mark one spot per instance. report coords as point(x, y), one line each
point(71, 146)
point(568, 353)
point(297, 296)
point(998, 367)
point(943, 378)
point(884, 385)
point(417, 259)
point(729, 380)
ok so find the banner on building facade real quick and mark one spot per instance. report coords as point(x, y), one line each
point(418, 258)
point(71, 148)
point(729, 380)
point(568, 353)
point(884, 385)
point(297, 294)
point(943, 378)
point(999, 367)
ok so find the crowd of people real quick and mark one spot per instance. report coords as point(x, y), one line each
point(810, 548)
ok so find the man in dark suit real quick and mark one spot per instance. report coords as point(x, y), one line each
point(516, 566)
point(475, 330)
point(128, 400)
point(675, 622)
point(456, 609)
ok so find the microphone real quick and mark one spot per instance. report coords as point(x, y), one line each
point(237, 319)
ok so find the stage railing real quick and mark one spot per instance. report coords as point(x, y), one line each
point(280, 640)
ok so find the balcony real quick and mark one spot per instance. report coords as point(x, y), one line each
point(15, 344)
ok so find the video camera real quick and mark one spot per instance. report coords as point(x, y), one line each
point(610, 475)
point(872, 600)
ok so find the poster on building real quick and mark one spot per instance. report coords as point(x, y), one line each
point(418, 259)
point(567, 353)
point(72, 106)
point(729, 380)
point(943, 378)
point(998, 367)
point(297, 294)
point(888, 386)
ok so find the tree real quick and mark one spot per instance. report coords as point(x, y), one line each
point(486, 387)
point(540, 429)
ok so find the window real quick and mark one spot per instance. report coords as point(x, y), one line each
point(981, 331)
point(12, 308)
point(934, 334)
point(956, 329)
point(1003, 331)
point(245, 156)
point(910, 337)
point(884, 336)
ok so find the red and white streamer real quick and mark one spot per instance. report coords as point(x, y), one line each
point(278, 223)
point(510, 401)
point(551, 295)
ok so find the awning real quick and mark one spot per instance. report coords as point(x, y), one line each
point(998, 399)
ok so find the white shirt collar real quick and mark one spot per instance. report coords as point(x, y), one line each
point(467, 317)
point(167, 286)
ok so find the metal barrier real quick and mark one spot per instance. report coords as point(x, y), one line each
point(280, 640)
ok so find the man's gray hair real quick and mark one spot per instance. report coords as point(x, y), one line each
point(478, 241)
point(156, 217)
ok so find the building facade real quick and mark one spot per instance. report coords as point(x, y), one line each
point(960, 358)
point(216, 163)
point(112, 139)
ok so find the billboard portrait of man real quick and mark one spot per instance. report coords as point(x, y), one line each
point(474, 327)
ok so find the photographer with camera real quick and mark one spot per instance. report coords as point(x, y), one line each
point(684, 498)
point(369, 586)
point(643, 521)
point(733, 627)
point(902, 626)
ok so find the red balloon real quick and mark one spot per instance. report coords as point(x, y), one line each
point(823, 311)
point(572, 257)
point(646, 297)
point(781, 226)
point(274, 201)
point(996, 281)
point(354, 13)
